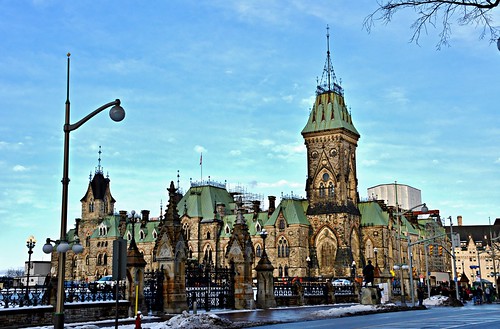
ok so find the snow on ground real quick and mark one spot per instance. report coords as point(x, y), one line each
point(212, 321)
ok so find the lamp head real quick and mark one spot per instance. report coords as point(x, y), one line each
point(424, 209)
point(63, 247)
point(117, 113)
point(77, 248)
point(48, 247)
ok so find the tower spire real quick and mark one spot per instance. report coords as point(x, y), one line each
point(328, 80)
point(99, 169)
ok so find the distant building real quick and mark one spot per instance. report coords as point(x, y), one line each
point(395, 194)
point(477, 255)
point(38, 271)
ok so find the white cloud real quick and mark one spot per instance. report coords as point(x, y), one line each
point(19, 168)
point(200, 149)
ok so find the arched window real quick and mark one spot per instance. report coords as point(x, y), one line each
point(208, 235)
point(280, 271)
point(155, 234)
point(105, 259)
point(142, 235)
point(321, 190)
point(258, 251)
point(258, 228)
point(99, 259)
point(331, 190)
point(91, 205)
point(227, 229)
point(207, 258)
point(283, 248)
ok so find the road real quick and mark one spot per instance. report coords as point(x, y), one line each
point(469, 316)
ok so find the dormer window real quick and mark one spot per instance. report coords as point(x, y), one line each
point(281, 225)
point(258, 228)
point(142, 235)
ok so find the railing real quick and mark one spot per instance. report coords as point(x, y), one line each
point(39, 295)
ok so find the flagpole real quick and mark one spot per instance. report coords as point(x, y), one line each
point(201, 167)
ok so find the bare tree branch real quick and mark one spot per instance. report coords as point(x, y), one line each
point(439, 14)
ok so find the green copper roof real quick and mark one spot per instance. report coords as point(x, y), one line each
point(372, 214)
point(200, 201)
point(111, 223)
point(294, 211)
point(328, 113)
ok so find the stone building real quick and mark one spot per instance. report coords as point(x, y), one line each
point(328, 234)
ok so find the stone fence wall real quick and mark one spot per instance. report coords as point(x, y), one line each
point(20, 317)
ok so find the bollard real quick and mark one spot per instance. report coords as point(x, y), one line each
point(195, 308)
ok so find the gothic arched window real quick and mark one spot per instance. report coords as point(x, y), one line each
point(331, 190)
point(283, 248)
point(321, 190)
point(258, 251)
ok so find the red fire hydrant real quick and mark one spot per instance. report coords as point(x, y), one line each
point(138, 320)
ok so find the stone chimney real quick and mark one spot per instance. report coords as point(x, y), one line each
point(272, 204)
point(145, 215)
point(459, 220)
point(256, 206)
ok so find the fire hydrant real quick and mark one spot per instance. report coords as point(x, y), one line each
point(138, 320)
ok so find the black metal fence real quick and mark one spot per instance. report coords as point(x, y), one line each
point(210, 287)
point(153, 290)
point(74, 292)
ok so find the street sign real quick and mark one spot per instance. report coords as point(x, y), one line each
point(119, 259)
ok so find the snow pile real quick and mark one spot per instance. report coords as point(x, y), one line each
point(437, 300)
point(342, 311)
point(204, 320)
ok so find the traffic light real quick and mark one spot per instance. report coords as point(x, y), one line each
point(440, 250)
point(431, 249)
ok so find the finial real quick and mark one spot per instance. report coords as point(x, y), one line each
point(99, 168)
point(328, 80)
point(178, 184)
point(90, 176)
point(161, 210)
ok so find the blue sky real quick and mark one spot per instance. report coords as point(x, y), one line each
point(234, 80)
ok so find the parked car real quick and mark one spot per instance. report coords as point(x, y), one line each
point(341, 282)
point(105, 282)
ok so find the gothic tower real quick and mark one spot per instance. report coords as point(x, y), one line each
point(331, 187)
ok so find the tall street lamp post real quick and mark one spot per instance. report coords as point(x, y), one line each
point(117, 114)
point(30, 244)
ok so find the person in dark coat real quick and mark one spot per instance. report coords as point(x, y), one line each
point(369, 273)
point(420, 296)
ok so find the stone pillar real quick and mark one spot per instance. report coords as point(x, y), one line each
point(240, 253)
point(265, 283)
point(171, 254)
point(370, 296)
point(135, 277)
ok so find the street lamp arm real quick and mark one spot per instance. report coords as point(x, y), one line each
point(70, 127)
point(424, 209)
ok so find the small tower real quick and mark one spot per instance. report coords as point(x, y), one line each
point(331, 187)
point(240, 253)
point(171, 254)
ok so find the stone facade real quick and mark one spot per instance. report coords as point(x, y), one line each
point(330, 233)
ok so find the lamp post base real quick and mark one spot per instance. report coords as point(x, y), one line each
point(58, 320)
